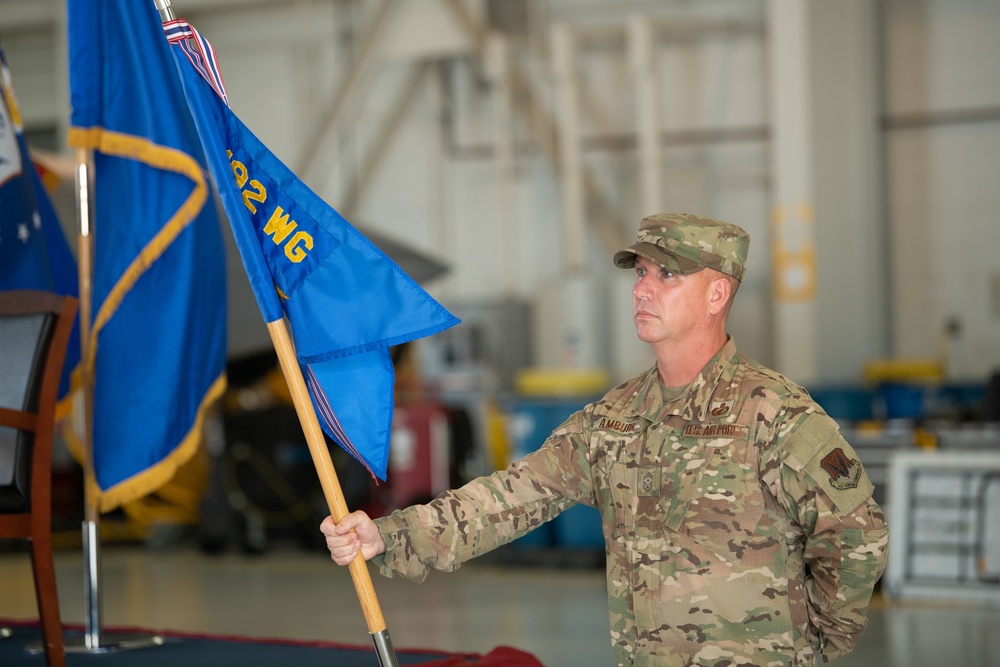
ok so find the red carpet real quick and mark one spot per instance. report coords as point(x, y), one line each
point(204, 650)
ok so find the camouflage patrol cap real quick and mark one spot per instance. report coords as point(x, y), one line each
point(685, 243)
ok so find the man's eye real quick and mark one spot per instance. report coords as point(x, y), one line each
point(666, 273)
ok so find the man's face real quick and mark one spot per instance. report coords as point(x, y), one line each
point(667, 307)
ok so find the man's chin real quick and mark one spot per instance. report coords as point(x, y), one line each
point(643, 334)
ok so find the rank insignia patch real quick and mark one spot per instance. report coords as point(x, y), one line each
point(649, 482)
point(844, 472)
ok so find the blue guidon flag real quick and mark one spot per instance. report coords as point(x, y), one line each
point(346, 302)
point(157, 348)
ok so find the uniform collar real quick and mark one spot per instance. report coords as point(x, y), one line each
point(694, 401)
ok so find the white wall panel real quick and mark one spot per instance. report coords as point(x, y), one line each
point(942, 54)
point(941, 63)
point(32, 61)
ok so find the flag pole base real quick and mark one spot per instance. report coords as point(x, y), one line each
point(110, 643)
point(94, 640)
point(383, 647)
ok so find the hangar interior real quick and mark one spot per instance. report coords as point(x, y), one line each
point(501, 151)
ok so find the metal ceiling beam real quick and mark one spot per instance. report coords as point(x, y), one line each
point(542, 128)
point(349, 85)
point(386, 133)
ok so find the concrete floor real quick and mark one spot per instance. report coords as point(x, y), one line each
point(559, 615)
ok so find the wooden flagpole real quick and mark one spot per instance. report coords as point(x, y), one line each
point(331, 485)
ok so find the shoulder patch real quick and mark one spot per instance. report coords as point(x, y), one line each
point(844, 472)
point(817, 449)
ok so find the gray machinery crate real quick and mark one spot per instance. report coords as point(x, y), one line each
point(876, 447)
point(944, 522)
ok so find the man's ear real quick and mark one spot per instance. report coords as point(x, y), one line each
point(719, 293)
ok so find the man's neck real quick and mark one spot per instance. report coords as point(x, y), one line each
point(680, 366)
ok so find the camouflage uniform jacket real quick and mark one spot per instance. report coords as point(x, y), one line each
point(739, 524)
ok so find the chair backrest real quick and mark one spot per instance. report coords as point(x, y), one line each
point(34, 331)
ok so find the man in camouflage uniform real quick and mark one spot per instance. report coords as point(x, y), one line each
point(739, 524)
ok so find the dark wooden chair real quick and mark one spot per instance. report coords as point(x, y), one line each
point(34, 333)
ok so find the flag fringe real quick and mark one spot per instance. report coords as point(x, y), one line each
point(157, 475)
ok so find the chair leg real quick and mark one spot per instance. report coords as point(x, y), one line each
point(47, 595)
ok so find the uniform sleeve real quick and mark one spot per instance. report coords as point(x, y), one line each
point(489, 511)
point(828, 494)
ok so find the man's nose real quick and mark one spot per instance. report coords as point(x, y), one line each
point(640, 288)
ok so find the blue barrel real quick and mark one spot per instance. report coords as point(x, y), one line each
point(845, 403)
point(903, 401)
point(531, 422)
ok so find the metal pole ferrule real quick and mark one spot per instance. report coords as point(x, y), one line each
point(383, 647)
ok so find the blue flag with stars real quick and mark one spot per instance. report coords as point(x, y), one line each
point(33, 249)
